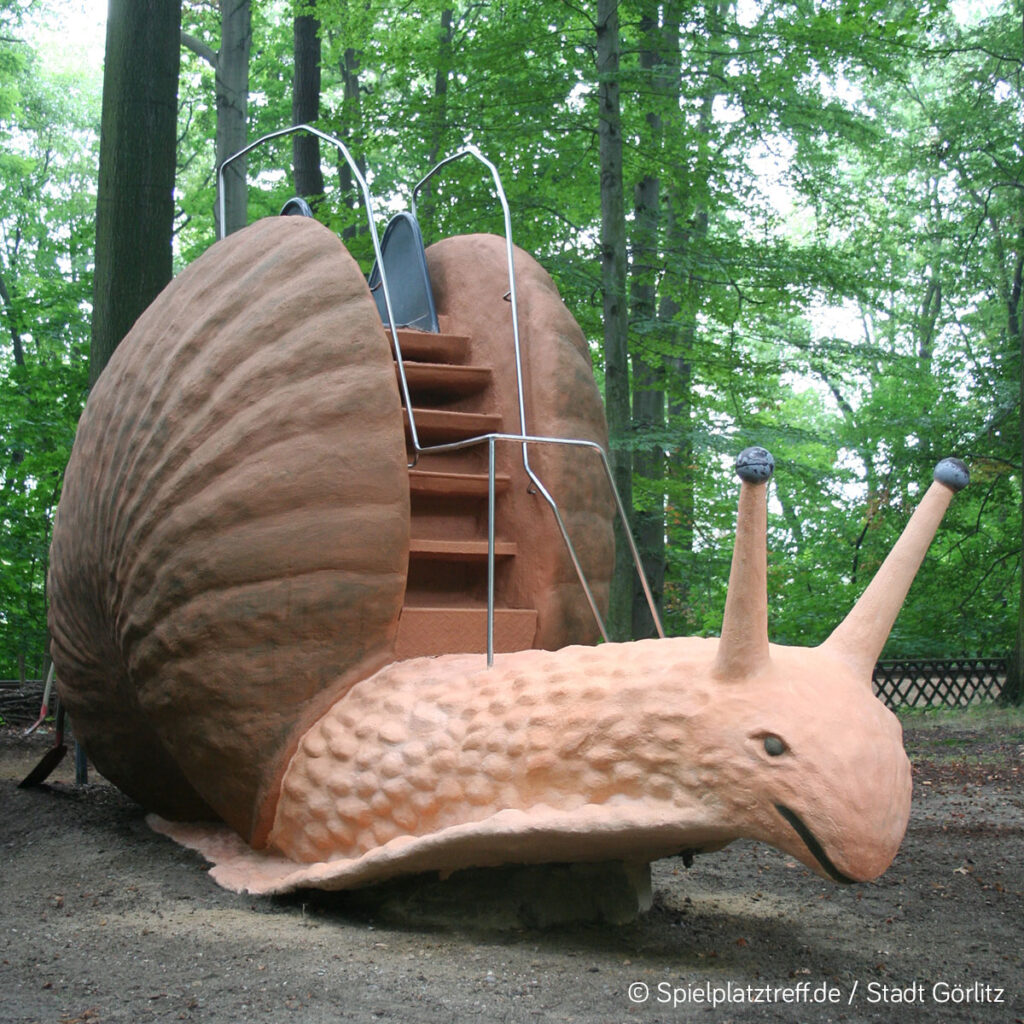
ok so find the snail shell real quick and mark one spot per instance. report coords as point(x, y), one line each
point(231, 551)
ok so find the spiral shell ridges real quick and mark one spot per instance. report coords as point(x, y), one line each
point(233, 531)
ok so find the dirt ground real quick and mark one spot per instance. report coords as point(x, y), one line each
point(103, 920)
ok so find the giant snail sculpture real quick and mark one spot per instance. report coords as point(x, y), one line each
point(270, 600)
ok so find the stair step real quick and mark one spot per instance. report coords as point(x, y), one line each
point(425, 346)
point(436, 426)
point(432, 631)
point(426, 483)
point(458, 550)
point(445, 379)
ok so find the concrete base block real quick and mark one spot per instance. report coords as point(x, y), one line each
point(516, 896)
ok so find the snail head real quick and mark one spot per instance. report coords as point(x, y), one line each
point(817, 760)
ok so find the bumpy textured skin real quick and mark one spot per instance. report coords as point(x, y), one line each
point(231, 544)
point(623, 751)
point(428, 745)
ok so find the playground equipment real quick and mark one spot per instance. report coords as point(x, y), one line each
point(335, 582)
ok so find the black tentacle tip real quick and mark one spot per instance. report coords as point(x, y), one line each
point(953, 473)
point(755, 465)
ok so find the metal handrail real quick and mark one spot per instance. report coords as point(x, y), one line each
point(524, 435)
point(510, 258)
point(371, 220)
point(525, 440)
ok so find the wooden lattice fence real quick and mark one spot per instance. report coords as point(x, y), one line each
point(949, 682)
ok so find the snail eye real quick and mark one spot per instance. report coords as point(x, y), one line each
point(773, 746)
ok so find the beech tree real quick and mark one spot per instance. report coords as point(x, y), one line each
point(138, 144)
point(308, 177)
point(230, 63)
point(615, 304)
point(793, 226)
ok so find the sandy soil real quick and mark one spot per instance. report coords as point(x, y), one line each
point(102, 920)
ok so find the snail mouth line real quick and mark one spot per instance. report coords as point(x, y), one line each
point(812, 844)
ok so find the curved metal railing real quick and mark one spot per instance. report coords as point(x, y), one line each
point(524, 435)
point(371, 221)
point(523, 438)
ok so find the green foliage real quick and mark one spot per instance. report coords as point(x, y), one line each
point(857, 413)
point(834, 254)
point(847, 210)
point(48, 136)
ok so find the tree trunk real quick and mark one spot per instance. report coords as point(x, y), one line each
point(233, 106)
point(138, 141)
point(309, 178)
point(675, 338)
point(616, 312)
point(231, 89)
point(351, 117)
point(10, 311)
point(649, 463)
point(439, 111)
point(13, 322)
point(442, 74)
point(1014, 689)
point(679, 374)
point(687, 223)
point(659, 59)
point(1013, 692)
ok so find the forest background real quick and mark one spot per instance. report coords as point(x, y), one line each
point(793, 223)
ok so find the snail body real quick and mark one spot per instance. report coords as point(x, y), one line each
point(243, 563)
point(626, 751)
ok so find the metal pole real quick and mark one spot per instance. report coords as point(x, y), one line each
point(490, 551)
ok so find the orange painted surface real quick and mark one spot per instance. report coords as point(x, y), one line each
point(260, 613)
